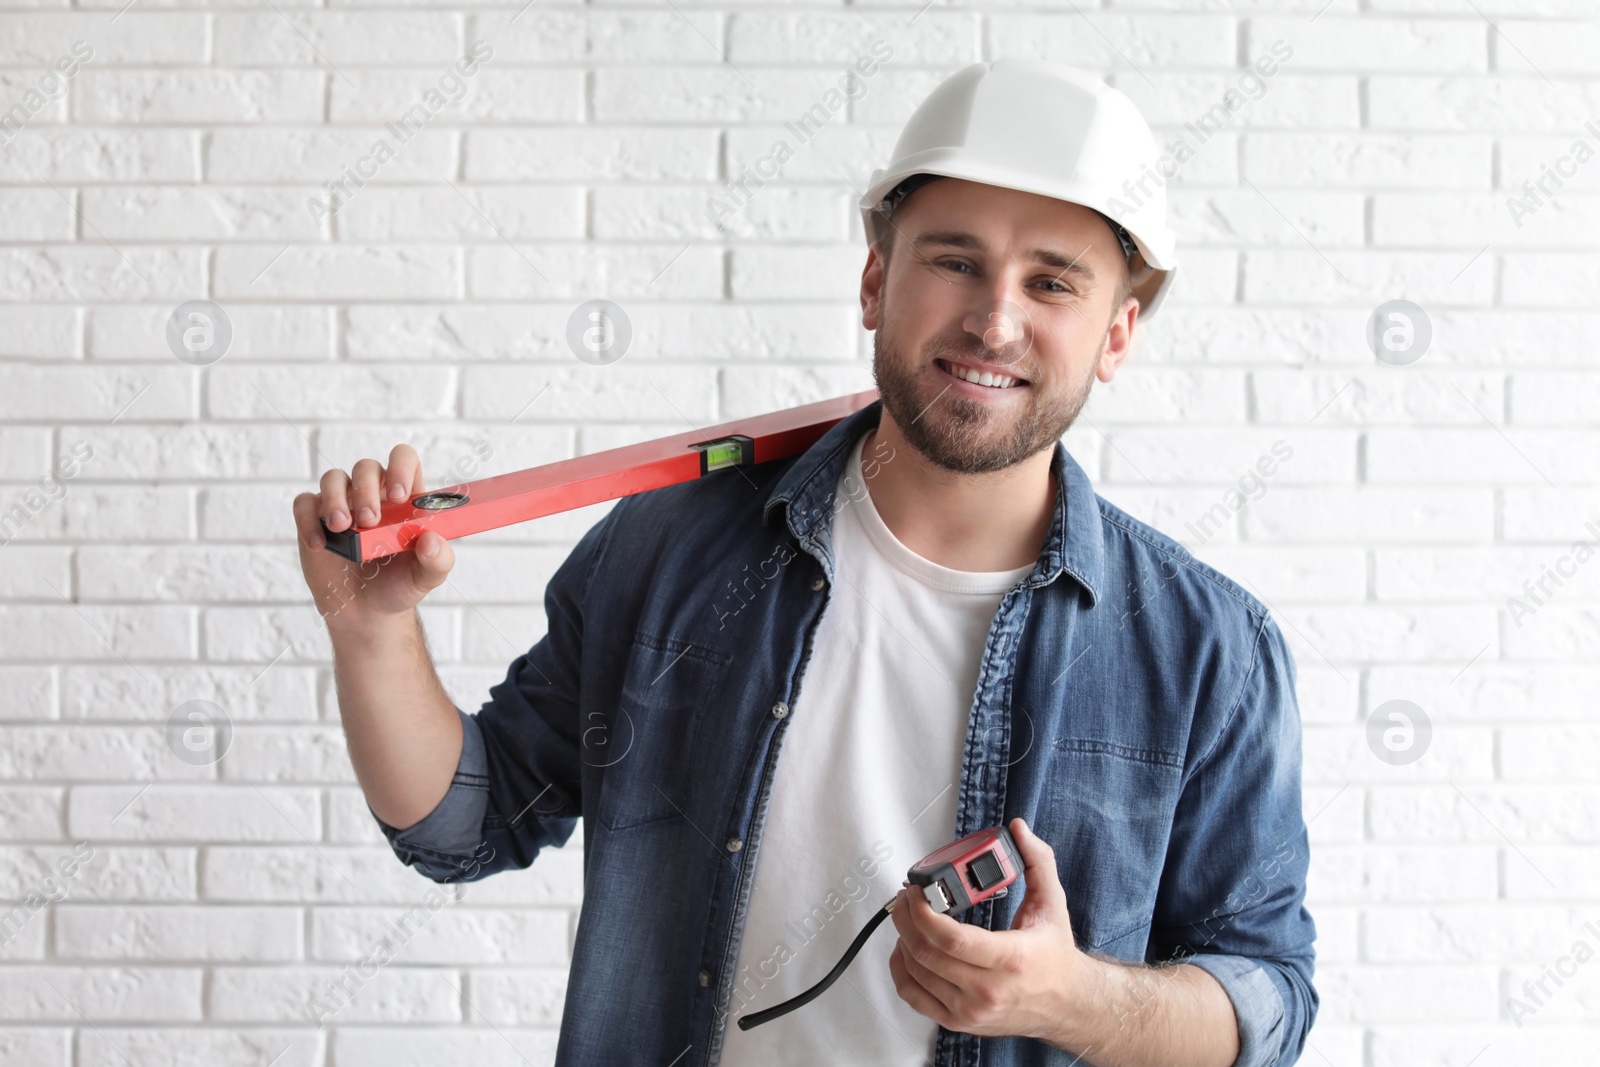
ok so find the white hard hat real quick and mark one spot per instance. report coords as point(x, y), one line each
point(1045, 128)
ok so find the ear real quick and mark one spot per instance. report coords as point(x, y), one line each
point(1118, 343)
point(872, 279)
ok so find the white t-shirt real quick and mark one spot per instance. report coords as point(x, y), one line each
point(865, 787)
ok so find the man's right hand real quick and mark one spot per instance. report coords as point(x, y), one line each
point(403, 731)
point(373, 592)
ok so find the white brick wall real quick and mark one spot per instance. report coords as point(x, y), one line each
point(176, 163)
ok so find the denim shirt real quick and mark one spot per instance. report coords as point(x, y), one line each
point(1136, 707)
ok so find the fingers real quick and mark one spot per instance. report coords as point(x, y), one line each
point(954, 949)
point(964, 943)
point(365, 481)
point(357, 499)
point(932, 982)
point(404, 476)
point(913, 992)
point(336, 500)
point(307, 520)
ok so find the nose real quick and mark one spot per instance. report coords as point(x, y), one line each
point(1001, 326)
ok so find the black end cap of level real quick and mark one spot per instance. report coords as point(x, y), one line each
point(345, 544)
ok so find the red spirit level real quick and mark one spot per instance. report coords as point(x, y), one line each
point(567, 484)
point(953, 878)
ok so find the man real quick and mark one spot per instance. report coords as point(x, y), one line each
point(981, 640)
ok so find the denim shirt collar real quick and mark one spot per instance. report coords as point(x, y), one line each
point(1074, 544)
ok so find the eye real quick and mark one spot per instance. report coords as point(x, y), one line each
point(951, 263)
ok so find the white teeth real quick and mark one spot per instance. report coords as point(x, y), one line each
point(994, 381)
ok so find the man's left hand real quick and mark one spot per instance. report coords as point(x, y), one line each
point(1017, 982)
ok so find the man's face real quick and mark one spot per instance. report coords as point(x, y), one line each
point(983, 279)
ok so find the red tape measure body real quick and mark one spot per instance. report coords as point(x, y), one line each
point(969, 871)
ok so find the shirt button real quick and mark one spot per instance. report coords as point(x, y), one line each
point(817, 583)
point(735, 844)
point(779, 710)
point(705, 978)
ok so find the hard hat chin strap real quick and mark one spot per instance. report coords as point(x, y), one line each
point(903, 190)
point(1129, 249)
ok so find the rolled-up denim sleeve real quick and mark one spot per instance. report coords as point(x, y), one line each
point(518, 782)
point(445, 843)
point(1232, 893)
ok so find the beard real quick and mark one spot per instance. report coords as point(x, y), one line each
point(961, 433)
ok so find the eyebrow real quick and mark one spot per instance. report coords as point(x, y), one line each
point(1047, 256)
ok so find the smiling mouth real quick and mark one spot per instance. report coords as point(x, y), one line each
point(974, 376)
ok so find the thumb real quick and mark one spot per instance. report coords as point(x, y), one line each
point(1045, 900)
point(434, 558)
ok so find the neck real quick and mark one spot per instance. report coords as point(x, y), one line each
point(970, 522)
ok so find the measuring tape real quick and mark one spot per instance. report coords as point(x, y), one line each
point(954, 878)
point(489, 503)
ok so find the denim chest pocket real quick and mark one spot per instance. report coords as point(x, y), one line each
point(1110, 820)
point(649, 750)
